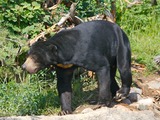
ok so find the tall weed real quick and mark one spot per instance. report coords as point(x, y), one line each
point(142, 24)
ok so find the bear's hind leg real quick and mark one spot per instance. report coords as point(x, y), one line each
point(104, 82)
point(114, 85)
point(124, 67)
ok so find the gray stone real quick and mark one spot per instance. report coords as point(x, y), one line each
point(134, 97)
point(118, 113)
point(157, 60)
point(154, 84)
point(135, 94)
point(144, 104)
point(136, 90)
point(87, 110)
point(134, 105)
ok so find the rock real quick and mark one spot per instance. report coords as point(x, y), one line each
point(157, 60)
point(87, 110)
point(154, 84)
point(135, 94)
point(136, 90)
point(134, 97)
point(134, 105)
point(144, 104)
point(117, 113)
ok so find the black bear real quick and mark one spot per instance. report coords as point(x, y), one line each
point(99, 46)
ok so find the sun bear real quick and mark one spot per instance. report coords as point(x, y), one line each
point(98, 46)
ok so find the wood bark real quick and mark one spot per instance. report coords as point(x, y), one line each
point(153, 2)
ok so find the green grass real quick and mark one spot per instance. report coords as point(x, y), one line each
point(36, 97)
point(27, 98)
point(146, 45)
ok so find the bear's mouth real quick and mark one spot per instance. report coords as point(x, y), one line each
point(32, 71)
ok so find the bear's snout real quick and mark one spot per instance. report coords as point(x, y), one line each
point(30, 66)
point(23, 66)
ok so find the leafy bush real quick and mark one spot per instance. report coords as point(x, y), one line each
point(21, 93)
point(25, 16)
point(8, 48)
point(88, 8)
point(29, 17)
point(31, 97)
point(137, 17)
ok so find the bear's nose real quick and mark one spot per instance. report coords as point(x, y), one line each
point(23, 66)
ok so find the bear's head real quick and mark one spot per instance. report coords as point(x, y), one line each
point(41, 55)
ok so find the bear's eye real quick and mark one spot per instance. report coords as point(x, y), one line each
point(27, 55)
point(34, 57)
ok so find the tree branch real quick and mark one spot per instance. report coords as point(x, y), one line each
point(55, 6)
point(135, 2)
point(56, 27)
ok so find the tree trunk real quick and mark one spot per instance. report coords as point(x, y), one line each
point(113, 9)
point(153, 2)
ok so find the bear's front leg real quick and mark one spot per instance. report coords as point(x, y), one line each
point(64, 77)
point(65, 98)
point(105, 95)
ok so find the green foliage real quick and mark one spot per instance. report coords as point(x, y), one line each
point(24, 17)
point(137, 17)
point(141, 23)
point(88, 8)
point(21, 93)
point(19, 98)
point(84, 89)
point(30, 97)
point(9, 49)
point(28, 17)
point(145, 45)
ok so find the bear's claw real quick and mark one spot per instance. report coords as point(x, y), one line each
point(122, 94)
point(64, 112)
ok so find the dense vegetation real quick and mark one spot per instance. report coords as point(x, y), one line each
point(24, 94)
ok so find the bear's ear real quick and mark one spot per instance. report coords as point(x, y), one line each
point(53, 48)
